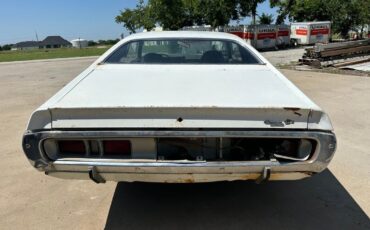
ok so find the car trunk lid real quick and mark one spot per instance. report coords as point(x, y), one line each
point(186, 96)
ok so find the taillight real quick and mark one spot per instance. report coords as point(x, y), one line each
point(71, 147)
point(117, 147)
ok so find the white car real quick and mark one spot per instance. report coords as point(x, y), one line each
point(180, 107)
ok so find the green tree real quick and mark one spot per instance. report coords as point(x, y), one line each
point(175, 14)
point(129, 18)
point(266, 19)
point(92, 43)
point(7, 47)
point(218, 12)
point(284, 9)
point(105, 42)
point(253, 9)
point(134, 19)
point(360, 11)
point(170, 14)
point(344, 14)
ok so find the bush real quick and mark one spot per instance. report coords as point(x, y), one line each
point(7, 47)
point(92, 43)
point(108, 42)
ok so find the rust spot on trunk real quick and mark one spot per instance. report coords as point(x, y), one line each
point(250, 176)
point(309, 173)
point(189, 180)
point(294, 110)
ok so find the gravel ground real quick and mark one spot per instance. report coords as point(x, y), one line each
point(283, 57)
point(338, 198)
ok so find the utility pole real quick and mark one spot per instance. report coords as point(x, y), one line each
point(37, 37)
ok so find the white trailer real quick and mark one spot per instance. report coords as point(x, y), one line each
point(283, 35)
point(259, 36)
point(242, 31)
point(306, 33)
point(264, 36)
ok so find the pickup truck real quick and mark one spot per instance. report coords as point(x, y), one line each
point(180, 107)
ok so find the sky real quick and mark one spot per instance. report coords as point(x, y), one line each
point(20, 20)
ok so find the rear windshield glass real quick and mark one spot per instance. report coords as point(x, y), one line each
point(182, 51)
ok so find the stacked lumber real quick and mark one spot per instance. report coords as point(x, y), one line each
point(335, 51)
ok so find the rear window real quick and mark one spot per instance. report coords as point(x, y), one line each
point(182, 51)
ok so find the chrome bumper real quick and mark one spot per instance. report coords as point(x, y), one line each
point(101, 170)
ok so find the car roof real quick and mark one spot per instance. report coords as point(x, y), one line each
point(182, 34)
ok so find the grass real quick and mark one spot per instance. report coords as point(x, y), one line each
point(21, 55)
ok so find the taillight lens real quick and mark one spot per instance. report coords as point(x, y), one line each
point(71, 147)
point(117, 147)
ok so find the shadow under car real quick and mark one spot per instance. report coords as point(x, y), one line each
point(320, 202)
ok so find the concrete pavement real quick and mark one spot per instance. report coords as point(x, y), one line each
point(336, 199)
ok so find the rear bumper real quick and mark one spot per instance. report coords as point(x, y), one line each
point(179, 171)
point(173, 172)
